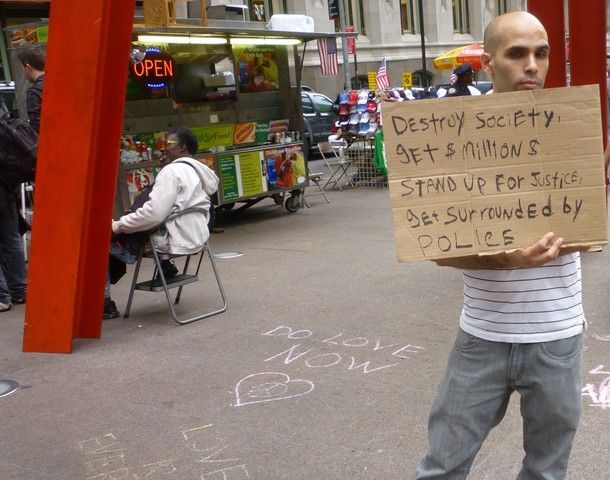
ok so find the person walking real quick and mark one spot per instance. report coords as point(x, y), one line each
point(32, 62)
point(522, 320)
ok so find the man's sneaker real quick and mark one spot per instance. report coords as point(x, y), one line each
point(169, 271)
point(5, 307)
point(110, 310)
point(18, 299)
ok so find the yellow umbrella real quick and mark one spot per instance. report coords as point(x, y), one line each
point(460, 55)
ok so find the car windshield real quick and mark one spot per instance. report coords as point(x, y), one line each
point(324, 104)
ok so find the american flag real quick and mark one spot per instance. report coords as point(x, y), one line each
point(383, 81)
point(327, 49)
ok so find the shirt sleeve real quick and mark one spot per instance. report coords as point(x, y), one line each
point(34, 105)
point(158, 207)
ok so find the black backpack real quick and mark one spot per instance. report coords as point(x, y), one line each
point(18, 148)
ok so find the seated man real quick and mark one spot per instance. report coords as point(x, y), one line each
point(182, 183)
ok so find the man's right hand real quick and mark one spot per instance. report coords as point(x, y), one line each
point(541, 252)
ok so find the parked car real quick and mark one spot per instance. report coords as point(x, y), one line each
point(483, 86)
point(318, 118)
point(8, 100)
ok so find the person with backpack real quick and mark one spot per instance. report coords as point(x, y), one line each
point(12, 271)
point(32, 62)
point(182, 183)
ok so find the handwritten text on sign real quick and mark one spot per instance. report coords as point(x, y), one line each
point(496, 172)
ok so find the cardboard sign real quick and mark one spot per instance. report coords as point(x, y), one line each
point(493, 173)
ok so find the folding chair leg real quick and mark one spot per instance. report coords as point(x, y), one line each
point(158, 271)
point(220, 288)
point(333, 181)
point(184, 270)
point(134, 281)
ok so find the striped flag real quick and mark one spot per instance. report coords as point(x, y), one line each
point(383, 81)
point(327, 49)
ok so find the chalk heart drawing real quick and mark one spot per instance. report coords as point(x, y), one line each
point(269, 387)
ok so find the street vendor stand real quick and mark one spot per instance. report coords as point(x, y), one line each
point(237, 89)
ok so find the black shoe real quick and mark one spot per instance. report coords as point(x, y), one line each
point(18, 299)
point(110, 310)
point(169, 271)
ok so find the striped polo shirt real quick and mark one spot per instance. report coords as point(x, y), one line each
point(525, 305)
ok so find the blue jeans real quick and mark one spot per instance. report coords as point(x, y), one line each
point(120, 252)
point(474, 395)
point(13, 274)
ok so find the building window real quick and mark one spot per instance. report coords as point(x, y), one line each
point(409, 16)
point(461, 19)
point(353, 16)
point(501, 7)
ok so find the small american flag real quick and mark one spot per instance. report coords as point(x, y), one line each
point(327, 49)
point(383, 81)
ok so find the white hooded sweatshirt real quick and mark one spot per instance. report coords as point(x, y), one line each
point(177, 187)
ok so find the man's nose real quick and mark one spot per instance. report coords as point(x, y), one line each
point(532, 65)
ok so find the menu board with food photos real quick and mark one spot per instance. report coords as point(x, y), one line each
point(258, 70)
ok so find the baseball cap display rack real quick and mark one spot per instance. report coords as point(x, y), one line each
point(358, 123)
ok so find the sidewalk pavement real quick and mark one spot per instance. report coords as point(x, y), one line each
point(324, 366)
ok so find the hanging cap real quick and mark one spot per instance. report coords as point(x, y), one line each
point(343, 98)
point(464, 69)
point(363, 97)
point(406, 94)
point(353, 97)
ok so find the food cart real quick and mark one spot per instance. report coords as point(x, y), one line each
point(238, 89)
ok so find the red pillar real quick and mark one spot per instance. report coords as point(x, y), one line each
point(84, 99)
point(550, 13)
point(588, 48)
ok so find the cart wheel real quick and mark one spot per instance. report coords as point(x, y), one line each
point(293, 203)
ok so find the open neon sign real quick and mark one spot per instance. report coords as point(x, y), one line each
point(155, 70)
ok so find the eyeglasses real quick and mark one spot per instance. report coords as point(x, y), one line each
point(171, 142)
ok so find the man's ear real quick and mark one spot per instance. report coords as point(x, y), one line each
point(487, 64)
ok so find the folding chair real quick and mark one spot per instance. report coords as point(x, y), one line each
point(314, 178)
point(158, 282)
point(336, 163)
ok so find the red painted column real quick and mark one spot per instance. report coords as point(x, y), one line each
point(84, 98)
point(588, 48)
point(550, 13)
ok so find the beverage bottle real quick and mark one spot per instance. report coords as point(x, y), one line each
point(271, 173)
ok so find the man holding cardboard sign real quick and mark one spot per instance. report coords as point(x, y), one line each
point(522, 320)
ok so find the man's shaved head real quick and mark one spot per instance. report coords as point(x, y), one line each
point(516, 55)
point(496, 28)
